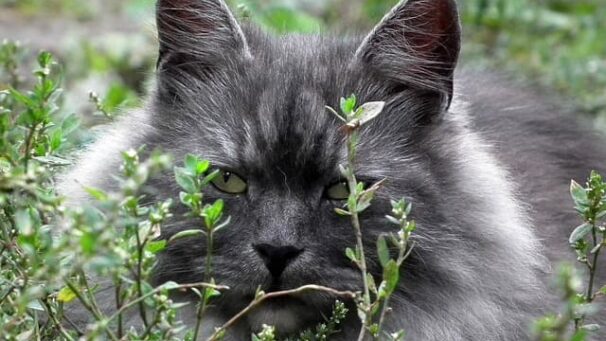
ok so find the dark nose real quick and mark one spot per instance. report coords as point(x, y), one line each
point(277, 258)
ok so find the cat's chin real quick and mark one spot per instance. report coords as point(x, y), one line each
point(286, 315)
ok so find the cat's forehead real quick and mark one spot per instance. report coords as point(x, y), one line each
point(310, 59)
point(286, 126)
point(290, 131)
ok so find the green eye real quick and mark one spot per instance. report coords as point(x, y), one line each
point(229, 182)
point(338, 191)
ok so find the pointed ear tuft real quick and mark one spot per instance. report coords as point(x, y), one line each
point(204, 29)
point(416, 44)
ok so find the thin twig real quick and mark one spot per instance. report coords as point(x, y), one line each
point(28, 144)
point(86, 305)
point(207, 275)
point(53, 318)
point(140, 246)
point(355, 221)
point(160, 288)
point(260, 299)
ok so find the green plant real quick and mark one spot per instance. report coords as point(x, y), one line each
point(359, 200)
point(30, 147)
point(587, 240)
point(52, 255)
point(49, 252)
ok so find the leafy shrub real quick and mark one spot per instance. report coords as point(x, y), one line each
point(52, 254)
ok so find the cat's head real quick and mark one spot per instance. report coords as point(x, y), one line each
point(254, 105)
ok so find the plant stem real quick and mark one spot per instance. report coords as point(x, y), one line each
point(118, 295)
point(53, 318)
point(209, 254)
point(140, 246)
point(28, 145)
point(159, 289)
point(352, 183)
point(592, 268)
point(85, 303)
point(207, 276)
point(260, 299)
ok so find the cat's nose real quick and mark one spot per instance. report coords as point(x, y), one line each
point(277, 258)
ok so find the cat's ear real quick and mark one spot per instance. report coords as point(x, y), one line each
point(202, 29)
point(416, 44)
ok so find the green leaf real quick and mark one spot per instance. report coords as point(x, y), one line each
point(21, 98)
point(202, 167)
point(368, 111)
point(372, 286)
point(367, 195)
point(223, 224)
point(579, 194)
point(185, 180)
point(52, 160)
point(210, 177)
point(391, 276)
point(186, 234)
point(96, 193)
point(88, 243)
point(348, 104)
point(393, 220)
point(45, 59)
point(342, 212)
point(35, 305)
point(579, 233)
point(196, 166)
point(351, 255)
point(212, 213)
point(155, 246)
point(70, 124)
point(383, 251)
point(66, 295)
point(170, 285)
point(186, 198)
point(210, 293)
point(56, 139)
point(374, 329)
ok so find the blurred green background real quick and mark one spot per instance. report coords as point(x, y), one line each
point(107, 46)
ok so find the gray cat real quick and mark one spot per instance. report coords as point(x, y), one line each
point(486, 166)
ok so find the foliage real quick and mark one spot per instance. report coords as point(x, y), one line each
point(553, 41)
point(587, 240)
point(359, 200)
point(42, 271)
point(30, 143)
point(49, 252)
point(54, 256)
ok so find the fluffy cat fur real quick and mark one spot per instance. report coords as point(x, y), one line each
point(486, 166)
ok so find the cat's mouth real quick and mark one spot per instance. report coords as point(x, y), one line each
point(287, 314)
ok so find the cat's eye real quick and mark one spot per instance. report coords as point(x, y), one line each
point(229, 182)
point(337, 191)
